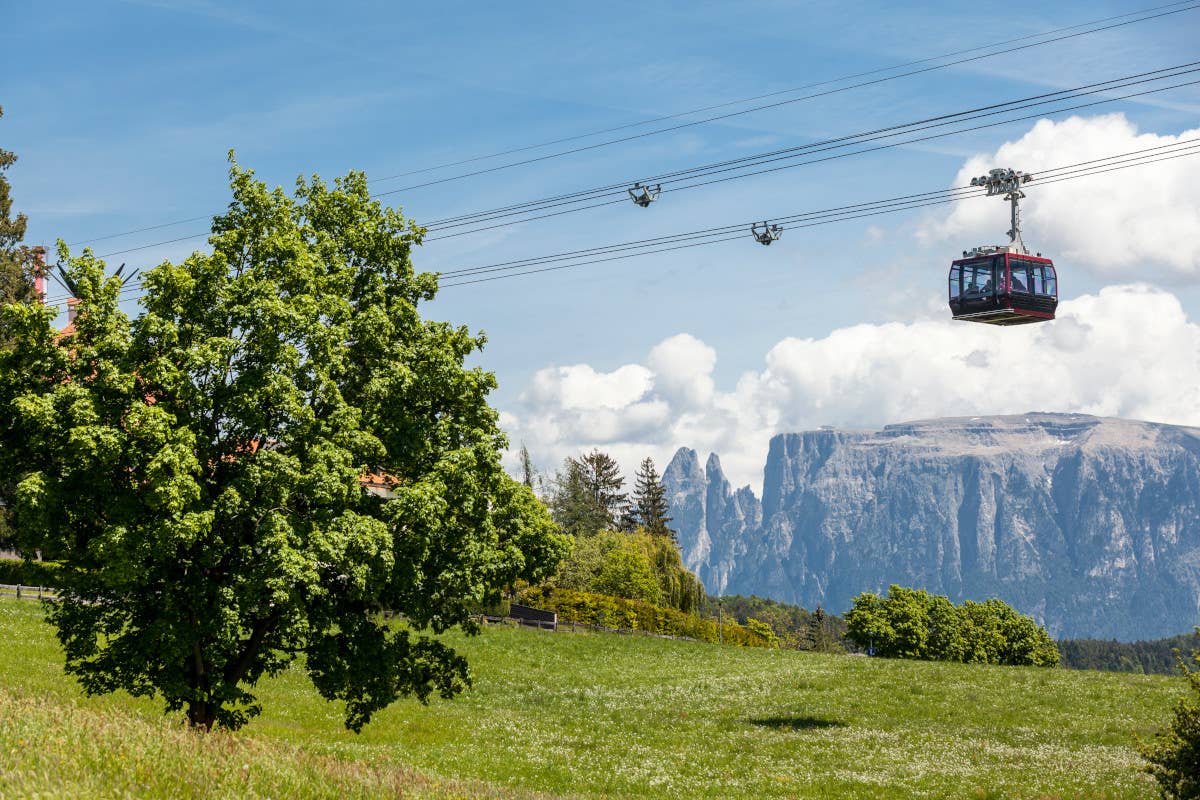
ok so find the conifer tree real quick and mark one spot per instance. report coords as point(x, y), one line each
point(527, 470)
point(649, 506)
point(588, 496)
point(818, 631)
point(601, 477)
point(573, 506)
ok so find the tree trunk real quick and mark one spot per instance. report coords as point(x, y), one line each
point(202, 715)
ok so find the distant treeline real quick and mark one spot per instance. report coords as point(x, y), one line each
point(796, 627)
point(607, 611)
point(1149, 657)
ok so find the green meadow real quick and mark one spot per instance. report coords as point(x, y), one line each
point(598, 715)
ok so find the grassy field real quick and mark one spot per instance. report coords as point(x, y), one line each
point(579, 715)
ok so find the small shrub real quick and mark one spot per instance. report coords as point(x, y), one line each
point(1174, 755)
point(764, 630)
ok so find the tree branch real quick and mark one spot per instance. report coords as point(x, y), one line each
point(237, 670)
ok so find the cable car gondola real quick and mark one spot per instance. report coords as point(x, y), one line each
point(1003, 284)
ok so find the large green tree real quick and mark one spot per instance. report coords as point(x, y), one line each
point(18, 264)
point(200, 467)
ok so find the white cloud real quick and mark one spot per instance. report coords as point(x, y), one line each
point(581, 387)
point(1127, 351)
point(1148, 215)
point(682, 367)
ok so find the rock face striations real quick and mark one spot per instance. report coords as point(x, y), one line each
point(1090, 525)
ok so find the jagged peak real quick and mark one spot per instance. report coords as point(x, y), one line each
point(712, 468)
point(685, 462)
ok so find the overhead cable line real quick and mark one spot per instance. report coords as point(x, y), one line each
point(1047, 97)
point(1152, 13)
point(814, 219)
point(1095, 166)
point(728, 115)
point(693, 174)
point(819, 147)
point(950, 133)
point(1044, 177)
point(1190, 6)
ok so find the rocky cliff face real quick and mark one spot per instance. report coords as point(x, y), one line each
point(1091, 525)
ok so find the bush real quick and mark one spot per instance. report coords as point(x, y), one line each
point(627, 573)
point(763, 629)
point(28, 573)
point(604, 611)
point(634, 566)
point(1174, 755)
point(912, 623)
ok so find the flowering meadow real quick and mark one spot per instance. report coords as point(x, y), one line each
point(603, 715)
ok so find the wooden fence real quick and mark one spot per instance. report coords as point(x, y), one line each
point(23, 592)
point(569, 626)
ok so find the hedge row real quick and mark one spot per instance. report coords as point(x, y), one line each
point(616, 612)
point(28, 573)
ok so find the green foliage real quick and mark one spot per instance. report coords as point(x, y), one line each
point(528, 473)
point(819, 636)
point(1174, 754)
point(635, 566)
point(587, 495)
point(791, 623)
point(1152, 657)
point(606, 611)
point(17, 263)
point(18, 267)
point(763, 630)
point(679, 586)
point(199, 468)
point(648, 508)
point(912, 623)
point(626, 572)
point(29, 573)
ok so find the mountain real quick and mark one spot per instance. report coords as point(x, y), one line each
point(1091, 525)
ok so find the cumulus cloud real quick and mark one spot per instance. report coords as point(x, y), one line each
point(1126, 351)
point(1149, 215)
point(581, 387)
point(682, 367)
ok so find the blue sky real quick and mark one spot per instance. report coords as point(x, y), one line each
point(122, 113)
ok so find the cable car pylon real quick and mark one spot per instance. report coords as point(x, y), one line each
point(768, 234)
point(1003, 284)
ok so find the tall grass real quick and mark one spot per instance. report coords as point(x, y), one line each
point(596, 715)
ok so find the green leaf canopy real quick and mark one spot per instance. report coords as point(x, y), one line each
point(277, 449)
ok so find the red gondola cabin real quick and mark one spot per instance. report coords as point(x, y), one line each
point(1000, 287)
